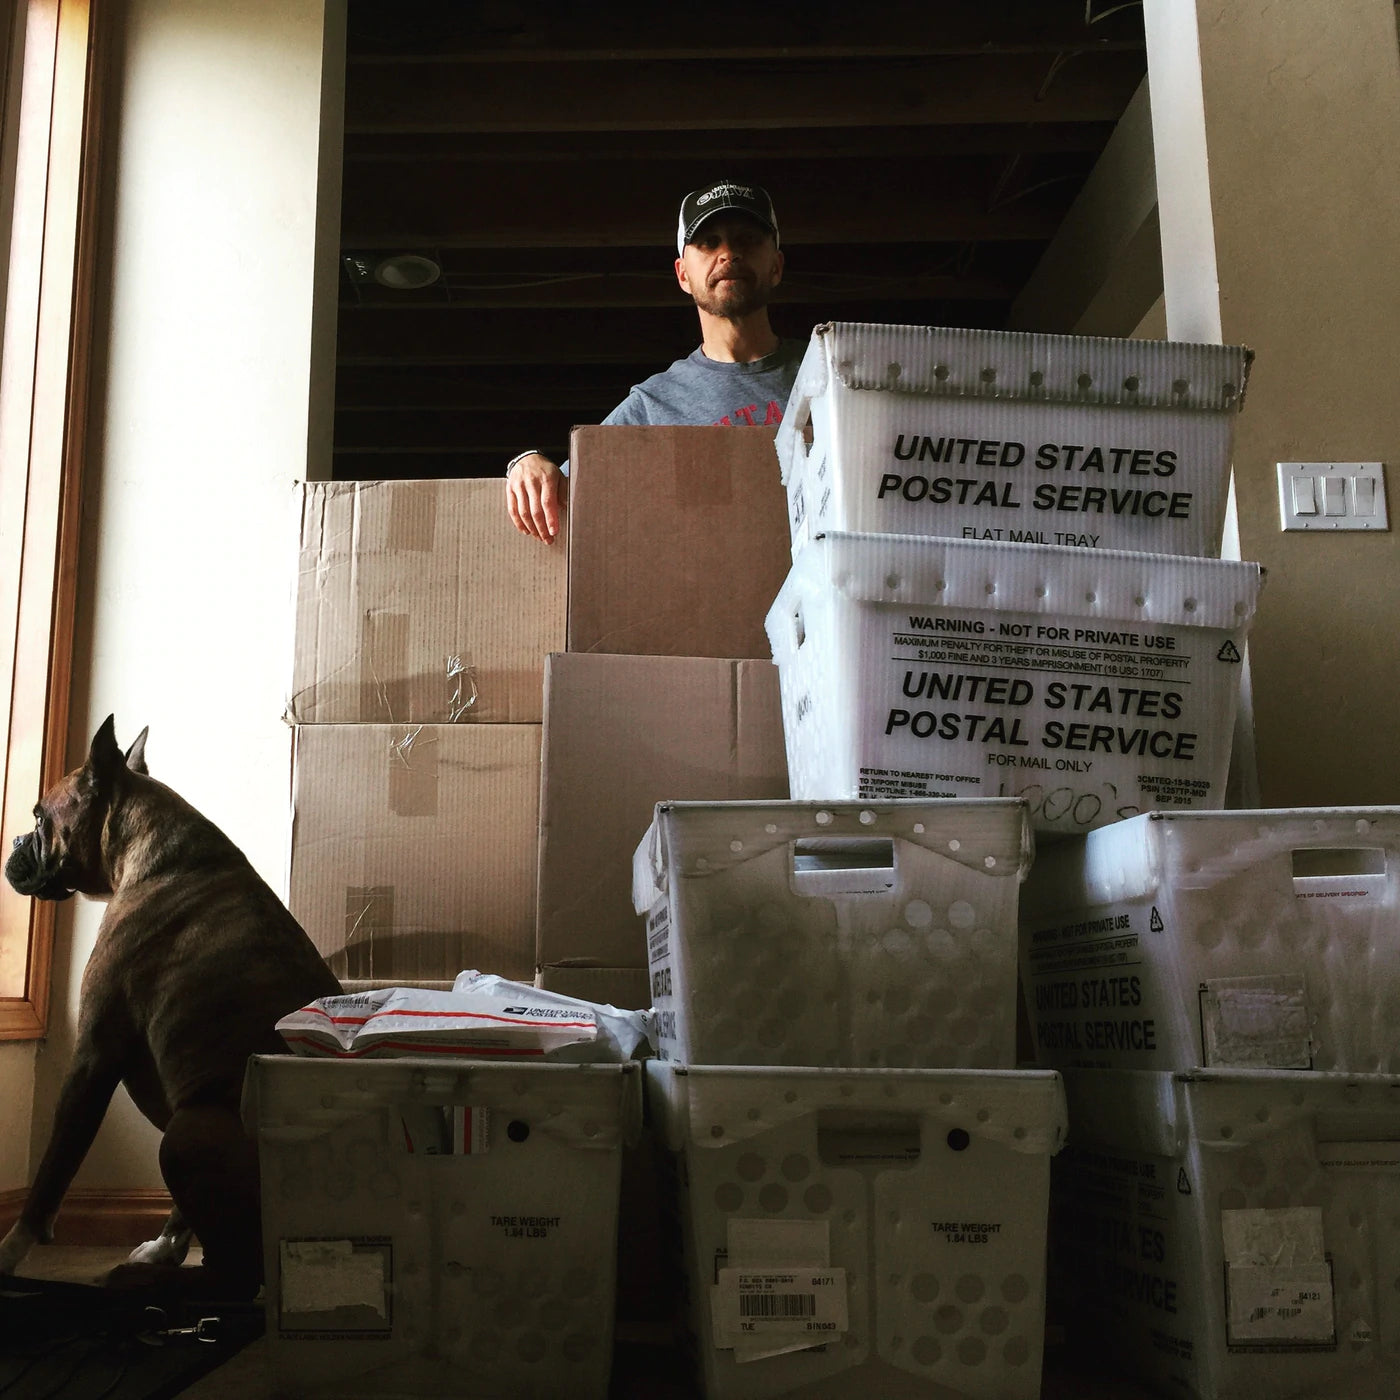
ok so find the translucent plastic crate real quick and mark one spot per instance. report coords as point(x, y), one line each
point(436, 1229)
point(901, 1213)
point(842, 933)
point(1232, 1235)
point(1080, 441)
point(1092, 683)
point(1246, 939)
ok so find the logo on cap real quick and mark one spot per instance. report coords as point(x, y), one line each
point(700, 205)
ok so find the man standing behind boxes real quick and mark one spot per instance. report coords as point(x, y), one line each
point(728, 262)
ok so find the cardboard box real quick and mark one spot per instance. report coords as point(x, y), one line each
point(1094, 683)
point(1246, 940)
point(419, 601)
point(622, 733)
point(1010, 435)
point(413, 847)
point(678, 540)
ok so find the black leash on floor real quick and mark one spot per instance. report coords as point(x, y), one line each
point(41, 1320)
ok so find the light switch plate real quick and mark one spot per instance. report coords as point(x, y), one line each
point(1332, 496)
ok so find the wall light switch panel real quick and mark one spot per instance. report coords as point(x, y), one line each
point(1332, 496)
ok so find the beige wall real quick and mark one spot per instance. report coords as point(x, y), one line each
point(1301, 106)
point(16, 1111)
point(204, 415)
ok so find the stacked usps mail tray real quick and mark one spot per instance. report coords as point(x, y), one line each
point(1219, 990)
point(436, 1226)
point(1006, 577)
point(862, 1180)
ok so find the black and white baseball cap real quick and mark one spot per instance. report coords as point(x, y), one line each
point(724, 196)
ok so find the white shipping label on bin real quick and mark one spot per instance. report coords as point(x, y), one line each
point(325, 1276)
point(1256, 1022)
point(1278, 1282)
point(779, 1292)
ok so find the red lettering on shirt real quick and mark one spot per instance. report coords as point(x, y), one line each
point(748, 416)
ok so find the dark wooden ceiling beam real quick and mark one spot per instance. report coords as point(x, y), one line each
point(488, 388)
point(425, 149)
point(645, 335)
point(642, 289)
point(679, 95)
point(876, 202)
point(621, 32)
point(1011, 261)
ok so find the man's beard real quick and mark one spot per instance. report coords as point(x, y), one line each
point(733, 299)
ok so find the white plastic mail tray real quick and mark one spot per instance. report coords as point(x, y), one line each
point(435, 1229)
point(1080, 441)
point(1094, 684)
point(862, 1232)
point(1246, 939)
point(1232, 1235)
point(861, 934)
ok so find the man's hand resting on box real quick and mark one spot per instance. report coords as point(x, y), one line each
point(535, 489)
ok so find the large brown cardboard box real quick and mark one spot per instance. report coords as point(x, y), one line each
point(413, 847)
point(678, 540)
point(419, 601)
point(622, 733)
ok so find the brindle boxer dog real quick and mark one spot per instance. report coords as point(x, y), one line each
point(194, 962)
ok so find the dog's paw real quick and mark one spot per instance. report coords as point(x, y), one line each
point(15, 1246)
point(164, 1249)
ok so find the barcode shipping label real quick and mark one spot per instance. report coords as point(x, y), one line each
point(789, 1305)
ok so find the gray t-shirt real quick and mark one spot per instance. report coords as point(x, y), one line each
point(697, 392)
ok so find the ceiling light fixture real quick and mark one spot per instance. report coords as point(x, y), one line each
point(400, 272)
point(406, 272)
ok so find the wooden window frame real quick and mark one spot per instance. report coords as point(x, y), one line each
point(48, 167)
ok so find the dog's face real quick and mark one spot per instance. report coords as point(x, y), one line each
point(63, 854)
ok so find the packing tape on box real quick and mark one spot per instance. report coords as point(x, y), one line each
point(369, 920)
point(413, 773)
point(413, 518)
point(383, 653)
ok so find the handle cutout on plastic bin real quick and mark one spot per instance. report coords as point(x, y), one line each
point(857, 1138)
point(805, 434)
point(824, 866)
point(1338, 860)
point(1323, 872)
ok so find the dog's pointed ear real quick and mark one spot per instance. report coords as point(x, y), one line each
point(136, 754)
point(105, 758)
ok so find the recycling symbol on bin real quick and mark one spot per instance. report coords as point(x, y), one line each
point(1229, 652)
point(1183, 1182)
